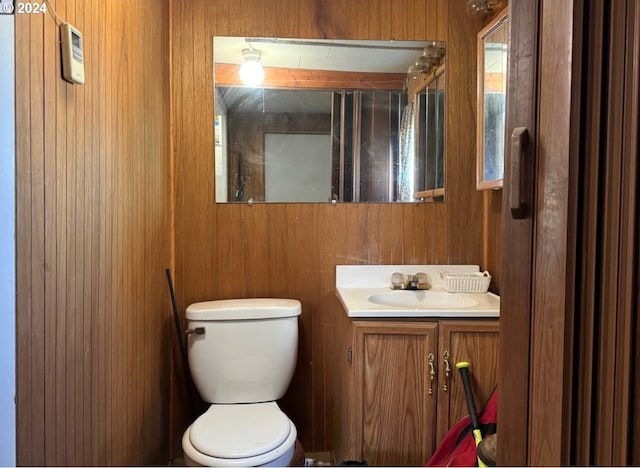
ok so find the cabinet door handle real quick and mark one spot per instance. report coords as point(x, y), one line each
point(432, 371)
point(517, 199)
point(447, 370)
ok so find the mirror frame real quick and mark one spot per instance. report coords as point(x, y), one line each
point(481, 183)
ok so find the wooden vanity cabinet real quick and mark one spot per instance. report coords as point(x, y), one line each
point(394, 408)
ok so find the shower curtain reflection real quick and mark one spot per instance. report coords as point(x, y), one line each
point(406, 163)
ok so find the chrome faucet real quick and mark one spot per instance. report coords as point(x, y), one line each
point(411, 282)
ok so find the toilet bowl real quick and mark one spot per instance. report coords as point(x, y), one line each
point(255, 434)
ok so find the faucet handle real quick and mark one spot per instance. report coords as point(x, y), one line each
point(422, 280)
point(397, 280)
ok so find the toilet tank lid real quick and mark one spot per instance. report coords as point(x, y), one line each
point(244, 309)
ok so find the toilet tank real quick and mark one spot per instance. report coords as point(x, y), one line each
point(248, 351)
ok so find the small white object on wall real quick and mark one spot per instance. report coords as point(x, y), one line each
point(72, 54)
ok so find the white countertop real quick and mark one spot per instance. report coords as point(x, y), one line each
point(355, 284)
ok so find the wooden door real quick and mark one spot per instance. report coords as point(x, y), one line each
point(568, 383)
point(477, 343)
point(517, 239)
point(392, 403)
point(535, 334)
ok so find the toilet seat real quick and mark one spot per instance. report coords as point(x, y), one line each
point(239, 431)
point(240, 435)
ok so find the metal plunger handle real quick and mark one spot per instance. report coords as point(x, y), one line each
point(463, 366)
point(183, 351)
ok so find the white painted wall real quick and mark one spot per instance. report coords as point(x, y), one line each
point(7, 245)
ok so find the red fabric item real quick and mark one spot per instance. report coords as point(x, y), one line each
point(454, 451)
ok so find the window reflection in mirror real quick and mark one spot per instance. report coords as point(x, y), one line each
point(325, 124)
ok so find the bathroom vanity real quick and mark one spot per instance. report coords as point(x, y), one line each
point(398, 389)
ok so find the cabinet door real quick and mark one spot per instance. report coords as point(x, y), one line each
point(392, 407)
point(477, 343)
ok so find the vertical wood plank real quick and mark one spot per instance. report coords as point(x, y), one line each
point(422, 236)
point(98, 330)
point(110, 298)
point(361, 27)
point(269, 23)
point(24, 388)
point(60, 413)
point(549, 318)
point(338, 17)
point(385, 23)
point(287, 18)
point(409, 234)
point(38, 286)
point(90, 333)
point(374, 19)
point(84, 168)
point(50, 39)
point(430, 11)
point(74, 316)
point(492, 248)
point(442, 19)
point(80, 252)
point(310, 19)
point(401, 20)
point(515, 326)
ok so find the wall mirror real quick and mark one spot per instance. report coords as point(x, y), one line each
point(322, 121)
point(493, 41)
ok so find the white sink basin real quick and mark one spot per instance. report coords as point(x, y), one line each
point(424, 299)
point(365, 292)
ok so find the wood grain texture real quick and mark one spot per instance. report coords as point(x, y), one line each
point(517, 247)
point(475, 342)
point(338, 350)
point(582, 317)
point(549, 328)
point(93, 237)
point(465, 203)
point(225, 251)
point(492, 237)
point(391, 398)
point(228, 75)
point(608, 239)
point(400, 393)
point(103, 206)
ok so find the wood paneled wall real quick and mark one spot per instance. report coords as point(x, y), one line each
point(492, 236)
point(291, 250)
point(93, 237)
point(95, 214)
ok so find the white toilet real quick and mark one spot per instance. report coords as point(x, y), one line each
point(242, 355)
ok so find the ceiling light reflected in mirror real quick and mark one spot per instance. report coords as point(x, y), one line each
point(251, 71)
